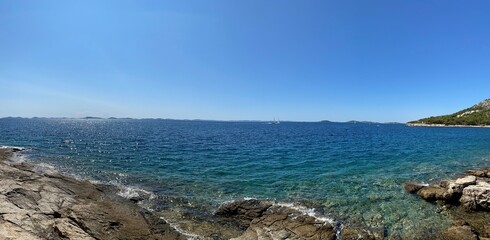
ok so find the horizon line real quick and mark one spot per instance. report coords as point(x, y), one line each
point(198, 119)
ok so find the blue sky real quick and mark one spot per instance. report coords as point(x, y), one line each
point(230, 60)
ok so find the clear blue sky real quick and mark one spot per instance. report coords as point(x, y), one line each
point(228, 60)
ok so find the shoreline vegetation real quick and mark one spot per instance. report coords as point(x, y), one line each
point(447, 126)
point(477, 115)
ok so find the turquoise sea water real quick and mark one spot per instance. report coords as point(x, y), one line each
point(353, 172)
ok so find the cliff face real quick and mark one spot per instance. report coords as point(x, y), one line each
point(478, 114)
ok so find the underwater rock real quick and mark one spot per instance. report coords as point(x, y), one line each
point(460, 231)
point(349, 233)
point(413, 187)
point(477, 173)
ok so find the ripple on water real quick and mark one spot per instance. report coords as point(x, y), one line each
point(354, 171)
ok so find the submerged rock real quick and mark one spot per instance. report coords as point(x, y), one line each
point(460, 231)
point(477, 173)
point(349, 233)
point(413, 187)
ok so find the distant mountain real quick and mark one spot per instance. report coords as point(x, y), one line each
point(478, 114)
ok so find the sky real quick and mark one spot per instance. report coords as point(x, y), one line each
point(244, 60)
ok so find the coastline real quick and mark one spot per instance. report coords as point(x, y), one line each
point(465, 198)
point(446, 126)
point(37, 205)
point(49, 205)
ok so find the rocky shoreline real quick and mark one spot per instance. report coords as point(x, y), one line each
point(466, 199)
point(49, 205)
point(35, 205)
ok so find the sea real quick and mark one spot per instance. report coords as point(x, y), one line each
point(351, 173)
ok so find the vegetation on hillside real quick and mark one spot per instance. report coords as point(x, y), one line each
point(478, 114)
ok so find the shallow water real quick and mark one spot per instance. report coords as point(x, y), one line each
point(355, 172)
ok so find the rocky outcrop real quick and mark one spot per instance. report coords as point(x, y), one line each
point(37, 205)
point(432, 193)
point(243, 212)
point(466, 198)
point(470, 191)
point(265, 220)
point(476, 197)
point(285, 223)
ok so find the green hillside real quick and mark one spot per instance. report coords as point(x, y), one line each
point(478, 114)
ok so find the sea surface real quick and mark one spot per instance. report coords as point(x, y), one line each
point(351, 172)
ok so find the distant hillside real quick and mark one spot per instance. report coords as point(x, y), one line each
point(478, 114)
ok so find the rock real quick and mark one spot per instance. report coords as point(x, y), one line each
point(476, 173)
point(476, 197)
point(459, 232)
point(432, 193)
point(413, 187)
point(280, 222)
point(349, 233)
point(482, 183)
point(466, 181)
point(66, 228)
point(10, 231)
point(243, 212)
point(39, 206)
point(444, 183)
point(454, 191)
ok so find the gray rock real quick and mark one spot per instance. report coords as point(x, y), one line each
point(476, 197)
point(40, 206)
point(243, 212)
point(454, 191)
point(466, 181)
point(280, 222)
